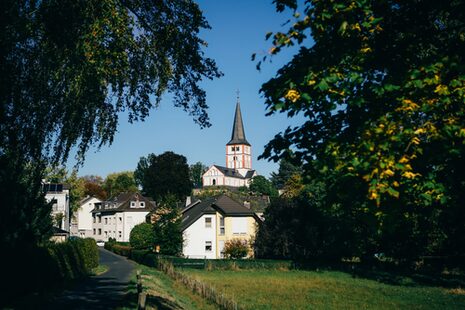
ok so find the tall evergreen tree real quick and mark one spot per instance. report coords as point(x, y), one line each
point(164, 175)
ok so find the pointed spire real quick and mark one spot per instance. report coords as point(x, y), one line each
point(238, 134)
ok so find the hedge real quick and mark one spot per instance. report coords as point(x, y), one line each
point(146, 257)
point(41, 269)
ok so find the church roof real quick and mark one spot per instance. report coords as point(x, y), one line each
point(238, 134)
point(233, 173)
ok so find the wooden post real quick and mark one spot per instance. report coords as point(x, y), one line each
point(142, 297)
point(142, 301)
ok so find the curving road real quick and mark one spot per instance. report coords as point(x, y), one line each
point(105, 291)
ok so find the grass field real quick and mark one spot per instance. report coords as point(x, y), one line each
point(164, 293)
point(326, 290)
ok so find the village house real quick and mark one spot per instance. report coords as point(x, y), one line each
point(81, 221)
point(238, 171)
point(116, 217)
point(208, 224)
point(58, 195)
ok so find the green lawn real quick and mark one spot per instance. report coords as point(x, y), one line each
point(325, 290)
point(164, 293)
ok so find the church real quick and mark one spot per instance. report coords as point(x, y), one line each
point(238, 171)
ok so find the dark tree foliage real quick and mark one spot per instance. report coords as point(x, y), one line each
point(305, 227)
point(164, 175)
point(67, 71)
point(285, 171)
point(381, 88)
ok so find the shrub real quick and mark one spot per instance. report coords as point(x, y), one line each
point(123, 250)
point(236, 248)
point(144, 257)
point(141, 237)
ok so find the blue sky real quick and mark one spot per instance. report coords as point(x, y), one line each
point(238, 31)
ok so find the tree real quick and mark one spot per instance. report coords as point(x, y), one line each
point(261, 185)
point(94, 190)
point(69, 68)
point(142, 236)
point(384, 112)
point(196, 172)
point(286, 170)
point(167, 227)
point(164, 175)
point(120, 182)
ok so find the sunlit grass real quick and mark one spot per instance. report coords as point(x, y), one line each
point(325, 290)
point(166, 293)
point(100, 269)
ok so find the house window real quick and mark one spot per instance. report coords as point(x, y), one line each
point(239, 225)
point(106, 221)
point(232, 148)
point(142, 204)
point(208, 222)
point(214, 182)
point(120, 219)
point(120, 234)
point(234, 158)
point(94, 231)
point(100, 219)
point(237, 148)
point(93, 216)
point(133, 204)
point(222, 226)
point(208, 246)
point(99, 231)
point(106, 233)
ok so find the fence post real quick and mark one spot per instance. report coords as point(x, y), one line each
point(141, 296)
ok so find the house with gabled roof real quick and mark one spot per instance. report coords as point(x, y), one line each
point(238, 171)
point(116, 217)
point(209, 223)
point(81, 221)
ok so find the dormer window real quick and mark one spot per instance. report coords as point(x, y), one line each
point(133, 204)
point(142, 204)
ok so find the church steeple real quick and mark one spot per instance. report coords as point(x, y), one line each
point(238, 134)
point(238, 149)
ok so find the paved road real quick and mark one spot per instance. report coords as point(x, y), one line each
point(105, 291)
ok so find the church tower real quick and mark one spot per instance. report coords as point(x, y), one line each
point(238, 149)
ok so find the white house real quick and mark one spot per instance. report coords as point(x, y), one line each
point(116, 217)
point(208, 224)
point(238, 171)
point(81, 221)
point(58, 194)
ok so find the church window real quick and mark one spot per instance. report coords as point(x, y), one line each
point(214, 182)
point(232, 148)
point(237, 148)
point(234, 158)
